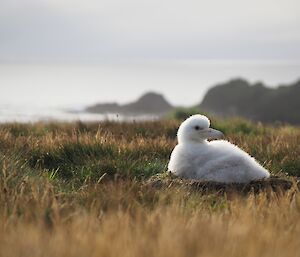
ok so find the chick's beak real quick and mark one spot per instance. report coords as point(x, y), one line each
point(214, 134)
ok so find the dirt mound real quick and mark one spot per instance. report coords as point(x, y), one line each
point(274, 183)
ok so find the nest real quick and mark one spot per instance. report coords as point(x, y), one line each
point(273, 184)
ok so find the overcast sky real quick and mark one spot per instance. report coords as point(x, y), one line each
point(120, 29)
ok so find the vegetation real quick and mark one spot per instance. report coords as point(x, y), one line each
point(81, 190)
point(182, 113)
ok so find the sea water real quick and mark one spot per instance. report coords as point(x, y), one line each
point(32, 92)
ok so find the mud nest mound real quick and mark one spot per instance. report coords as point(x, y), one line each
point(272, 184)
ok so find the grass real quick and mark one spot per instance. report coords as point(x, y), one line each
point(80, 190)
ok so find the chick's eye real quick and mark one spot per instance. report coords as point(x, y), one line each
point(197, 127)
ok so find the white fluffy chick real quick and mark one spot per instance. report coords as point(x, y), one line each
point(219, 160)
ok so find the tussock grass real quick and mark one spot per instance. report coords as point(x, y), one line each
point(80, 190)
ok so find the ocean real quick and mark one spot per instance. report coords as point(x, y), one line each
point(55, 91)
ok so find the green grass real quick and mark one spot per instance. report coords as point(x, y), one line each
point(76, 153)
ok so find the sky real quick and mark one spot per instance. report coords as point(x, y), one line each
point(104, 30)
point(78, 52)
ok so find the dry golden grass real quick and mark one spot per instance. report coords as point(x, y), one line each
point(129, 219)
point(56, 201)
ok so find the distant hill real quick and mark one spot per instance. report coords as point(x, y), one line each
point(257, 102)
point(149, 103)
